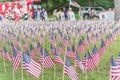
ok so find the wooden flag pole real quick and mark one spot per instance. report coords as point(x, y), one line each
point(64, 63)
point(55, 67)
point(13, 70)
point(75, 52)
point(43, 64)
point(110, 70)
point(21, 63)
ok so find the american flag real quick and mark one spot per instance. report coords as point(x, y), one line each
point(34, 42)
point(67, 42)
point(114, 70)
point(18, 42)
point(84, 42)
point(102, 49)
point(79, 63)
point(60, 48)
point(70, 53)
point(95, 56)
point(57, 58)
point(53, 40)
point(38, 49)
point(84, 61)
point(6, 54)
point(90, 62)
point(69, 70)
point(80, 47)
point(16, 59)
point(31, 66)
point(109, 39)
point(32, 52)
point(45, 59)
point(118, 60)
point(73, 3)
point(41, 39)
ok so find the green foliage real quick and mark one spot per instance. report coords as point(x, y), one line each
point(104, 3)
point(5, 0)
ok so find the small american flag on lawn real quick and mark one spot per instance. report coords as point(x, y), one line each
point(114, 70)
point(70, 53)
point(57, 58)
point(69, 70)
point(45, 59)
point(6, 54)
point(79, 63)
point(102, 49)
point(60, 48)
point(16, 59)
point(32, 52)
point(95, 56)
point(80, 47)
point(31, 66)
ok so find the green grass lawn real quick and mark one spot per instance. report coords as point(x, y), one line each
point(102, 72)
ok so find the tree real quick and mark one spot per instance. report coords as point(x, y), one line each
point(117, 9)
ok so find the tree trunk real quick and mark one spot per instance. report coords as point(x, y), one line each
point(117, 9)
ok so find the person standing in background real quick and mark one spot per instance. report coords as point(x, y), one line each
point(54, 14)
point(35, 14)
point(45, 15)
point(80, 13)
point(71, 15)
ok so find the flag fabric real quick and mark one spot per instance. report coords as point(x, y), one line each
point(38, 49)
point(57, 58)
point(73, 3)
point(114, 70)
point(41, 39)
point(80, 47)
point(95, 56)
point(31, 66)
point(70, 53)
point(70, 71)
point(32, 52)
point(53, 40)
point(45, 59)
point(84, 61)
point(60, 48)
point(34, 43)
point(67, 42)
point(102, 49)
point(18, 42)
point(16, 59)
point(6, 54)
point(79, 63)
point(90, 63)
point(84, 42)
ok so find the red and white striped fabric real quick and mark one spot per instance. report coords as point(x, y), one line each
point(31, 66)
point(114, 70)
point(16, 58)
point(70, 71)
point(46, 61)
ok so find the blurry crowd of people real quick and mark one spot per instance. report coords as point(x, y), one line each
point(41, 14)
point(64, 14)
point(16, 14)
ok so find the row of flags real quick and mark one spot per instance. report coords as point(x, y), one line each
point(91, 61)
point(59, 45)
